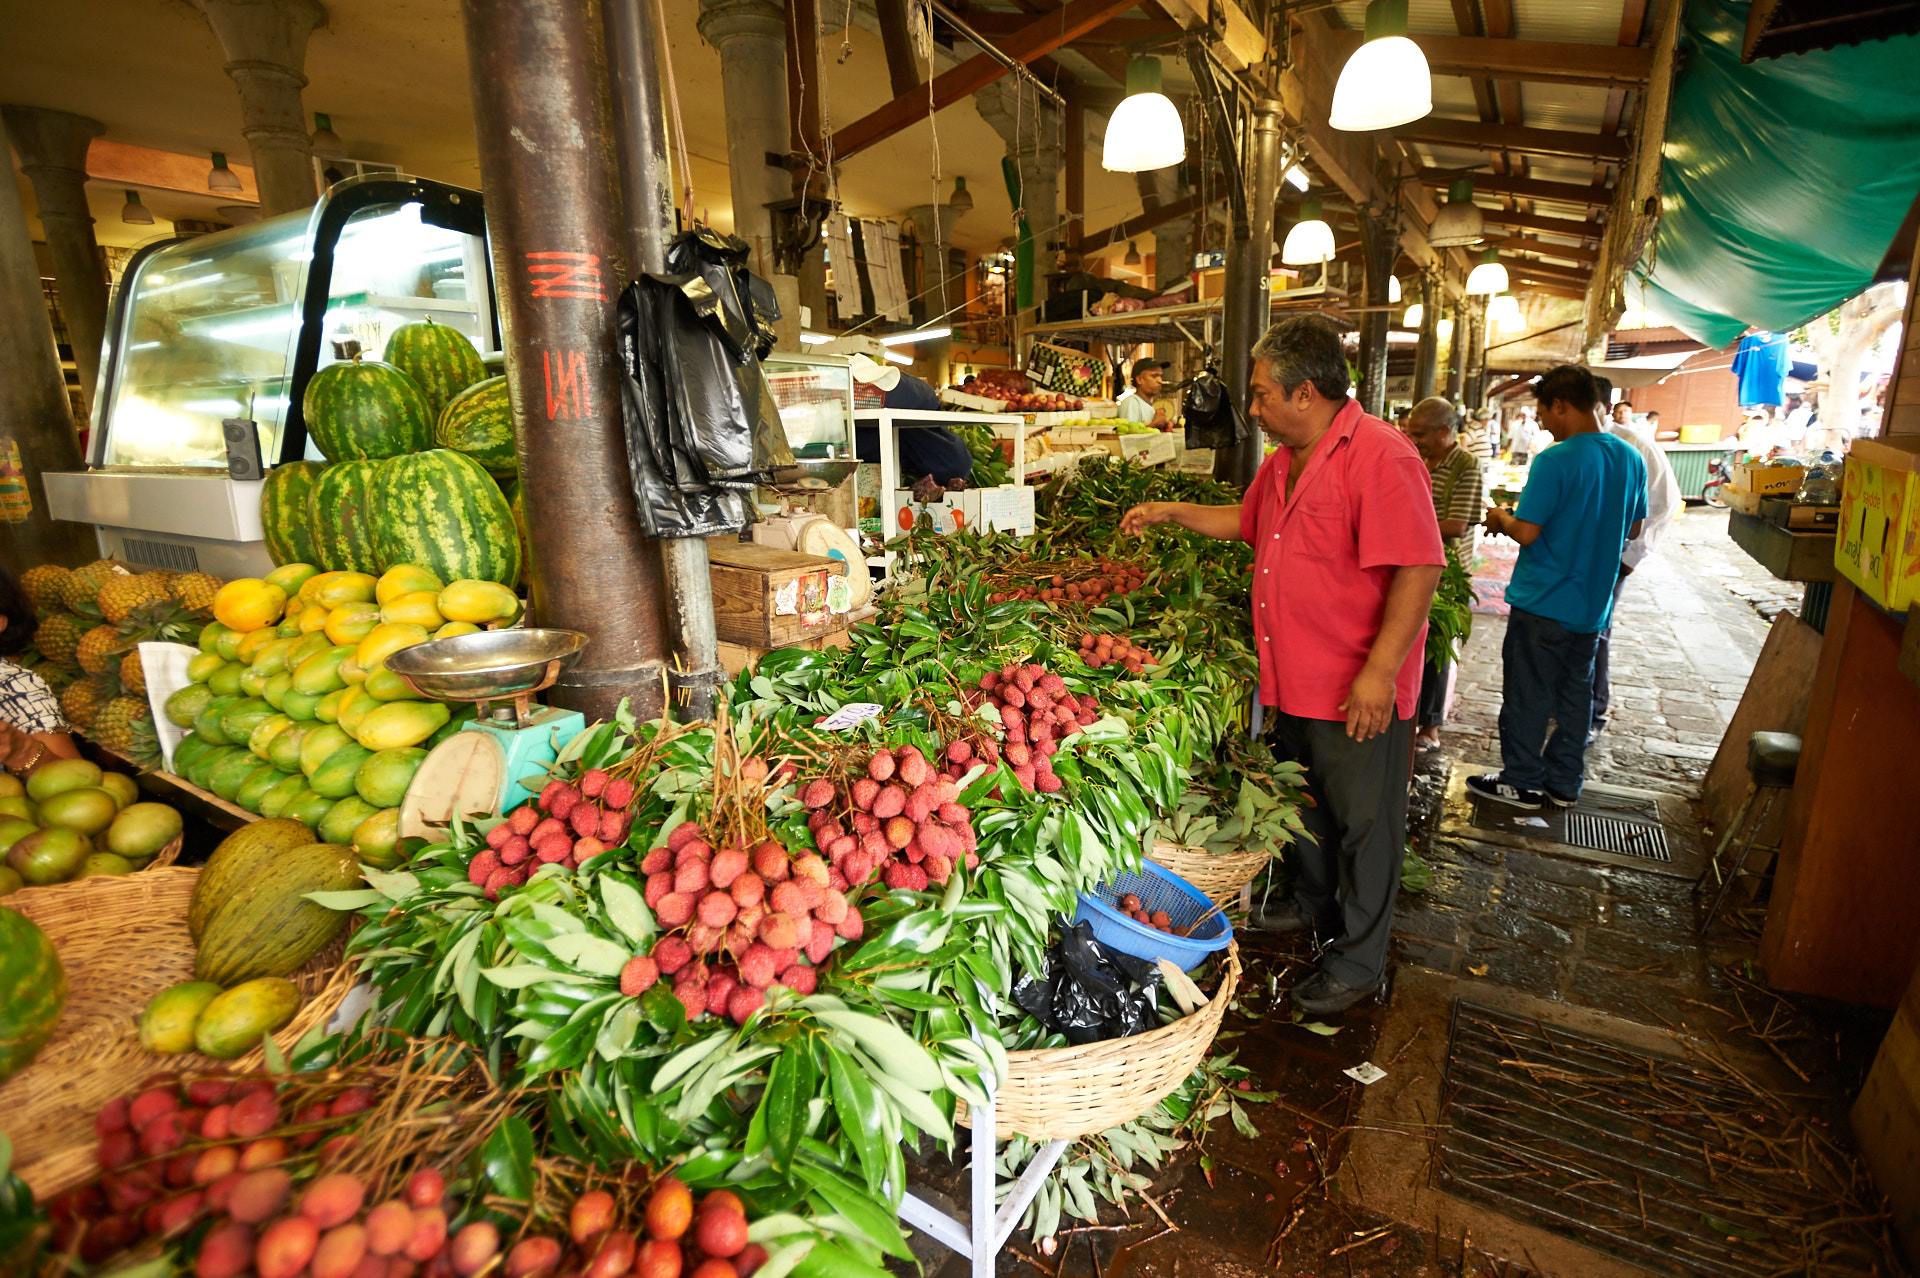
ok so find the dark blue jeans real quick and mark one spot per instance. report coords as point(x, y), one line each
point(1549, 675)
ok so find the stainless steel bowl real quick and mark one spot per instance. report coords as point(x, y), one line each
point(489, 665)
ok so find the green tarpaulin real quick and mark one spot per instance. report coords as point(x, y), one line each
point(1783, 182)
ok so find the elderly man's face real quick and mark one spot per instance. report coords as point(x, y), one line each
point(1433, 438)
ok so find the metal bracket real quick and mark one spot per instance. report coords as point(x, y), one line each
point(990, 1227)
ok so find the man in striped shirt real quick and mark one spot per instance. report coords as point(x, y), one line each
point(1459, 498)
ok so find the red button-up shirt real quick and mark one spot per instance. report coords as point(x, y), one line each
point(1324, 558)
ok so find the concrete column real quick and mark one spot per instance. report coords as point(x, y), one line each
point(53, 155)
point(750, 36)
point(266, 46)
point(1031, 129)
point(933, 228)
point(36, 421)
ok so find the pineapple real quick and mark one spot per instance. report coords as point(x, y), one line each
point(58, 637)
point(81, 703)
point(43, 584)
point(112, 727)
point(133, 676)
point(123, 593)
point(161, 621)
point(145, 748)
point(81, 586)
point(195, 590)
point(96, 649)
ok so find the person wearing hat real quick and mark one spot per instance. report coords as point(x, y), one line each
point(1137, 404)
point(926, 450)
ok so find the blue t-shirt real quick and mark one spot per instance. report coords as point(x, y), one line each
point(1584, 492)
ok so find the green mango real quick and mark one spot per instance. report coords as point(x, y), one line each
point(207, 726)
point(319, 746)
point(299, 705)
point(335, 777)
point(308, 808)
point(283, 752)
point(226, 680)
point(383, 778)
point(344, 817)
point(274, 802)
point(277, 689)
point(320, 673)
point(255, 787)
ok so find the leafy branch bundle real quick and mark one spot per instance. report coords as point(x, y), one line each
point(1243, 799)
point(1450, 620)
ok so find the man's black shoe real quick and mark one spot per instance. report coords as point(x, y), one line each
point(1321, 995)
point(1560, 800)
point(1285, 917)
point(1489, 786)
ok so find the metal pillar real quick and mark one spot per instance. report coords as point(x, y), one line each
point(1249, 276)
point(53, 154)
point(547, 164)
point(1457, 355)
point(1379, 246)
point(634, 41)
point(1426, 356)
point(37, 433)
point(266, 46)
point(1476, 361)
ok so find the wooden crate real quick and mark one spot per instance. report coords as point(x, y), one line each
point(767, 598)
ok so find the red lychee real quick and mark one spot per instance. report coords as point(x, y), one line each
point(880, 766)
point(800, 979)
point(728, 864)
point(638, 976)
point(756, 966)
point(865, 790)
point(592, 782)
point(672, 953)
point(748, 890)
point(745, 1002)
point(675, 909)
point(770, 861)
point(817, 793)
point(717, 909)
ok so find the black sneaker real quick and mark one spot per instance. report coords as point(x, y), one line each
point(1560, 800)
point(1489, 786)
point(1322, 995)
point(1285, 917)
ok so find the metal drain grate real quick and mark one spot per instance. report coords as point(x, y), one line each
point(1680, 1166)
point(1611, 834)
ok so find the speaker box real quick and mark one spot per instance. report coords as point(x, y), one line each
point(243, 448)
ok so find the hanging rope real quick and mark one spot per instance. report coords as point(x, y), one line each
point(673, 105)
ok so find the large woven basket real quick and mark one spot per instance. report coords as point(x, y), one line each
point(1063, 1093)
point(1220, 875)
point(121, 940)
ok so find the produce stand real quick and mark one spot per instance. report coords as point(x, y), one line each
point(890, 422)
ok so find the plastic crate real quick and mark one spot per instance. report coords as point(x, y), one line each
point(1158, 889)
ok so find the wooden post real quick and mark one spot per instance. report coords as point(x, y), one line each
point(1076, 130)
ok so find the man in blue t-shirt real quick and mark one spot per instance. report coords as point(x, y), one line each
point(1585, 499)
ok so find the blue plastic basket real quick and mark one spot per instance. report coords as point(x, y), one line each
point(1158, 889)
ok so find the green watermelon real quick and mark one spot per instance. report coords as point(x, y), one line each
point(441, 511)
point(341, 515)
point(479, 422)
point(33, 990)
point(283, 511)
point(361, 408)
point(440, 360)
point(517, 503)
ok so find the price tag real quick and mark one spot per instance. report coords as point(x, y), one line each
point(848, 716)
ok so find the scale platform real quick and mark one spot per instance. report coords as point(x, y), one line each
point(479, 770)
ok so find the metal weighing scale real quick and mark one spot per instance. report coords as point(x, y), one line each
point(478, 770)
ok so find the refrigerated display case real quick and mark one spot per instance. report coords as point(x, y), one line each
point(814, 394)
point(232, 326)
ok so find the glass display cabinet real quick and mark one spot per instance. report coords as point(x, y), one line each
point(814, 394)
point(232, 326)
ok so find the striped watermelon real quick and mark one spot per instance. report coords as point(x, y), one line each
point(283, 512)
point(341, 512)
point(360, 408)
point(33, 990)
point(479, 422)
point(440, 360)
point(517, 503)
point(441, 511)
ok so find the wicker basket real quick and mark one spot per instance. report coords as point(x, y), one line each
point(1063, 1093)
point(121, 939)
point(1220, 875)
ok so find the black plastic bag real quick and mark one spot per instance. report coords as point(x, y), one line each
point(1091, 993)
point(701, 426)
point(1213, 419)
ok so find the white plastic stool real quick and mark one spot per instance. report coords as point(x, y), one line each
point(990, 1226)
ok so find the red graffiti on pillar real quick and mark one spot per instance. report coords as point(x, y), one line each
point(569, 396)
point(557, 273)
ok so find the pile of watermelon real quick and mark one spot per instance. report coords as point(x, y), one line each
point(420, 466)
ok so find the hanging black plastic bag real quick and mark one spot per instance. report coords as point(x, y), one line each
point(1213, 419)
point(664, 510)
point(1091, 993)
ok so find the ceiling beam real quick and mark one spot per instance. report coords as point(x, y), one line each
point(1525, 188)
point(1544, 225)
point(1568, 252)
point(1041, 36)
point(1115, 31)
point(1521, 270)
point(1094, 241)
point(1477, 136)
point(1543, 61)
point(1570, 291)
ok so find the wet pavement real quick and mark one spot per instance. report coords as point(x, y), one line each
point(1335, 1183)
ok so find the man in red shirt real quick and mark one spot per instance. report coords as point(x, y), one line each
point(1346, 556)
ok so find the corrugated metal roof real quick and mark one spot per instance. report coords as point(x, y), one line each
point(1575, 21)
point(1564, 106)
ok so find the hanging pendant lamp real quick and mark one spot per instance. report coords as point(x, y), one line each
point(1310, 242)
point(961, 201)
point(1133, 254)
point(1503, 312)
point(1144, 132)
point(1393, 290)
point(1386, 81)
point(1443, 331)
point(134, 213)
point(1488, 277)
point(1414, 315)
point(220, 177)
point(1459, 220)
point(325, 142)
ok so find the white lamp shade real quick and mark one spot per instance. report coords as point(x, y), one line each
point(1393, 289)
point(1308, 243)
point(1386, 82)
point(1457, 224)
point(1504, 312)
point(1414, 315)
point(1443, 331)
point(1488, 277)
point(1144, 132)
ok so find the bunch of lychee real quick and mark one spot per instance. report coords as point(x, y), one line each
point(566, 825)
point(1037, 712)
point(1134, 908)
point(708, 1243)
point(1112, 577)
point(767, 916)
point(1099, 650)
point(902, 821)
